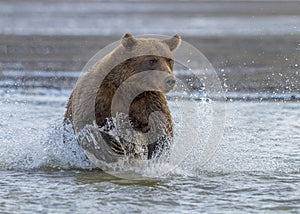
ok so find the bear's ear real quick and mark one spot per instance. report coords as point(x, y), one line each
point(173, 42)
point(128, 41)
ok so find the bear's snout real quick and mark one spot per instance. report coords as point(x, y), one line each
point(170, 82)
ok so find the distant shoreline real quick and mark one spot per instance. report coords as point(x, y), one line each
point(28, 82)
point(254, 46)
point(245, 63)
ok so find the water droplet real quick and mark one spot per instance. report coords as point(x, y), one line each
point(225, 84)
point(188, 60)
point(296, 65)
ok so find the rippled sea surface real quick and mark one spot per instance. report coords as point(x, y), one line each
point(34, 17)
point(255, 169)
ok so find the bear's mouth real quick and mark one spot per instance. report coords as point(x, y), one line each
point(169, 83)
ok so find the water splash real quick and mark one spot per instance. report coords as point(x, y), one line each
point(62, 150)
point(30, 146)
point(191, 133)
point(44, 147)
point(31, 139)
point(44, 151)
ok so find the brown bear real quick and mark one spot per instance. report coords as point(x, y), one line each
point(130, 80)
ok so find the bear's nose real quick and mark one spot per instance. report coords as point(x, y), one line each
point(170, 81)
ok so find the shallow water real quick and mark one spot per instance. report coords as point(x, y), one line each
point(33, 17)
point(255, 169)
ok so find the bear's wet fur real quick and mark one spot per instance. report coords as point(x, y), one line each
point(142, 58)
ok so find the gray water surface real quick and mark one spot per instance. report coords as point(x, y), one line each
point(194, 18)
point(255, 169)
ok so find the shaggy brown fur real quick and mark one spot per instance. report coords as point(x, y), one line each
point(148, 91)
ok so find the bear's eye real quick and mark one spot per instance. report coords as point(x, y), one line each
point(170, 61)
point(152, 61)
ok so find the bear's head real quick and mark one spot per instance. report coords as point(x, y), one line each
point(148, 62)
